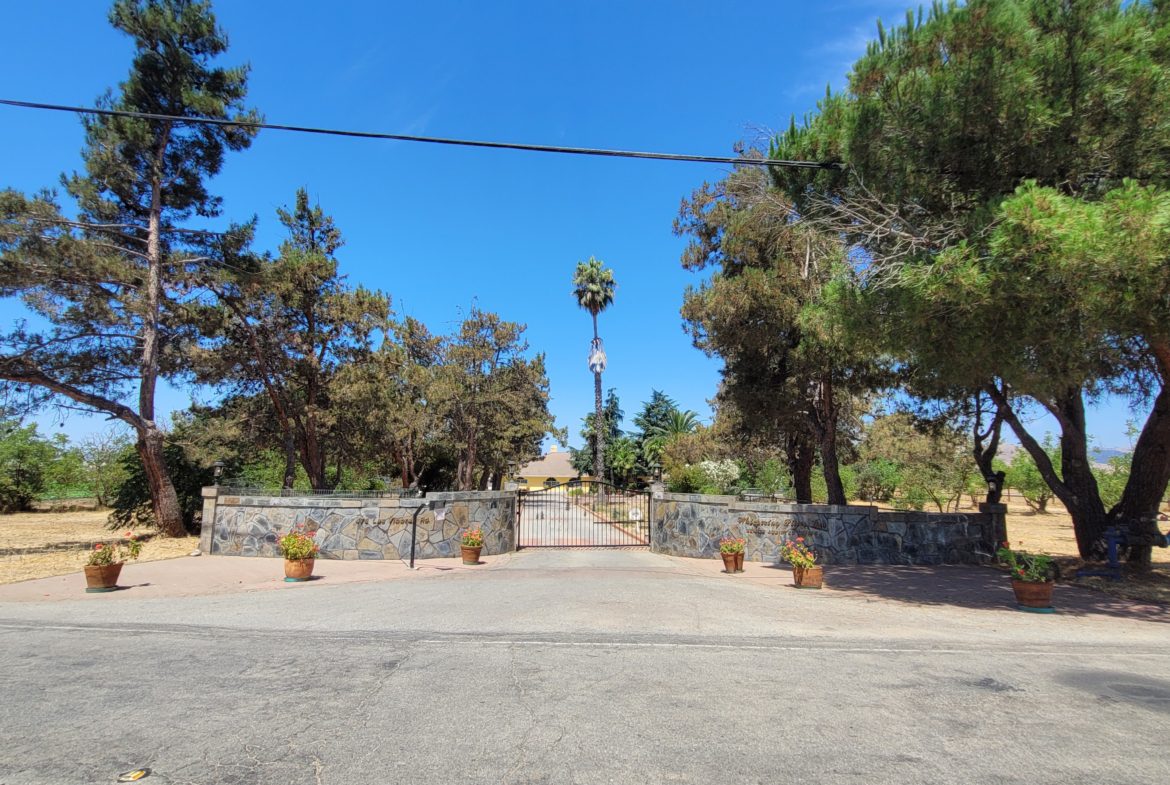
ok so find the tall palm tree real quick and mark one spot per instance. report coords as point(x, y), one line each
point(593, 286)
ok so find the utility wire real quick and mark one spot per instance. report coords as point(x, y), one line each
point(539, 148)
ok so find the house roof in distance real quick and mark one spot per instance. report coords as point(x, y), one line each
point(552, 464)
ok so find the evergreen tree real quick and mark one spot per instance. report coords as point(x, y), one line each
point(611, 416)
point(116, 281)
point(767, 312)
point(285, 327)
point(944, 119)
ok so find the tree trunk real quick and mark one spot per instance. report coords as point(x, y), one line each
point(985, 456)
point(1149, 471)
point(465, 469)
point(290, 461)
point(1089, 518)
point(800, 466)
point(1075, 486)
point(164, 501)
point(824, 421)
point(598, 430)
point(313, 458)
point(599, 419)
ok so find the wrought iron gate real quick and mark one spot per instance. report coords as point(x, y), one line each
point(583, 514)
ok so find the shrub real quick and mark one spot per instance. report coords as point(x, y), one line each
point(688, 479)
point(773, 478)
point(1024, 476)
point(876, 480)
point(23, 458)
point(131, 503)
point(720, 476)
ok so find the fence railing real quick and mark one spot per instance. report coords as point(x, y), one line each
point(237, 487)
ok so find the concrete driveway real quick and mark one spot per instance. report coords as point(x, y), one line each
point(553, 518)
point(588, 666)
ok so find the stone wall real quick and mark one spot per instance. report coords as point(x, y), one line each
point(692, 525)
point(377, 528)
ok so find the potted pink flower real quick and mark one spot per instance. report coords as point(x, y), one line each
point(806, 573)
point(105, 562)
point(731, 550)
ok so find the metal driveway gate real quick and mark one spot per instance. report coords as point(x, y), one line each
point(583, 514)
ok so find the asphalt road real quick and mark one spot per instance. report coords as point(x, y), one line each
point(577, 667)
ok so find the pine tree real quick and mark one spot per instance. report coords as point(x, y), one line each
point(116, 282)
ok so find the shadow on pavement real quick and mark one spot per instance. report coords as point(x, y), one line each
point(978, 588)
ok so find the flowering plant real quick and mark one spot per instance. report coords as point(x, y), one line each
point(116, 552)
point(721, 475)
point(731, 545)
point(1024, 566)
point(796, 553)
point(297, 545)
point(473, 538)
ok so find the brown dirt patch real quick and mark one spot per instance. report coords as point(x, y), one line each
point(42, 544)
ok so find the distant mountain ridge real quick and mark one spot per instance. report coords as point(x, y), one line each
point(1100, 455)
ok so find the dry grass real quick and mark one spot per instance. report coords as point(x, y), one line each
point(42, 544)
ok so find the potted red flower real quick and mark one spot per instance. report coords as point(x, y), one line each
point(300, 554)
point(806, 573)
point(1032, 578)
point(105, 562)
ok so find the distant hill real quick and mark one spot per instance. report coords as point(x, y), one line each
point(1100, 455)
point(1103, 454)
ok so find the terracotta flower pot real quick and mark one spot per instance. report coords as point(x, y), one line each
point(728, 562)
point(1032, 594)
point(810, 577)
point(103, 577)
point(298, 569)
point(470, 553)
point(739, 562)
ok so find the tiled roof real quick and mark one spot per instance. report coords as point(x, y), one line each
point(554, 464)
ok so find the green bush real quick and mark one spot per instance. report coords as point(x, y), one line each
point(1111, 481)
point(131, 504)
point(24, 457)
point(689, 479)
point(1024, 476)
point(773, 478)
point(876, 480)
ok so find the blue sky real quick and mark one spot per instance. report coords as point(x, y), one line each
point(443, 228)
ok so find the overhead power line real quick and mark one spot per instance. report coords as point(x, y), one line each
point(537, 148)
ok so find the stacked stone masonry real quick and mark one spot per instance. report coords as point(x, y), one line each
point(358, 528)
point(692, 525)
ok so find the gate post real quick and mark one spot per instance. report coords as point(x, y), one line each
point(657, 488)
